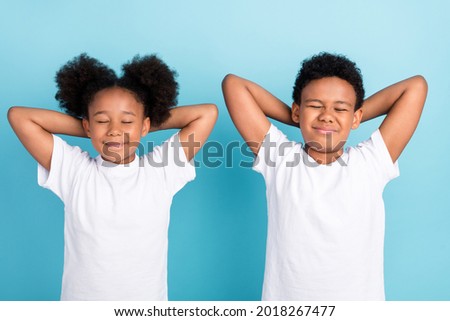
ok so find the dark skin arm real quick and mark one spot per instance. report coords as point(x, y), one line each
point(402, 103)
point(34, 128)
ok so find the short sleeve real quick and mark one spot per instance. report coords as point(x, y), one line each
point(67, 161)
point(377, 155)
point(273, 149)
point(178, 171)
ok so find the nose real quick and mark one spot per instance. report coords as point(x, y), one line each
point(114, 130)
point(326, 116)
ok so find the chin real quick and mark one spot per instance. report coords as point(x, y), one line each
point(115, 158)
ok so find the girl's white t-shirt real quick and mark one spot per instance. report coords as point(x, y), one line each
point(116, 220)
point(325, 234)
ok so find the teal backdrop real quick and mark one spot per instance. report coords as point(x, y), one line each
point(218, 222)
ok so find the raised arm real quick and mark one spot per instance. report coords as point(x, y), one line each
point(196, 123)
point(403, 103)
point(34, 128)
point(249, 106)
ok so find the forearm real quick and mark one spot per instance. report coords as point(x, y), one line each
point(403, 103)
point(180, 117)
point(34, 128)
point(196, 123)
point(51, 121)
point(382, 102)
point(270, 105)
point(250, 106)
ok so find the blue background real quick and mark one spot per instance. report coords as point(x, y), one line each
point(218, 222)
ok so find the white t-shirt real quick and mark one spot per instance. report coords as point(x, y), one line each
point(325, 222)
point(116, 220)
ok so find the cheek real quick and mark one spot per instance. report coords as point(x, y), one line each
point(135, 134)
point(96, 132)
point(305, 118)
point(347, 124)
point(350, 120)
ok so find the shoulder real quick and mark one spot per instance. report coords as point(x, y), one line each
point(276, 149)
point(169, 164)
point(67, 164)
point(371, 146)
point(165, 150)
point(61, 145)
point(374, 156)
point(276, 139)
point(66, 156)
point(169, 154)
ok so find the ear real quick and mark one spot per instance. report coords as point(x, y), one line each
point(85, 123)
point(295, 113)
point(357, 116)
point(146, 126)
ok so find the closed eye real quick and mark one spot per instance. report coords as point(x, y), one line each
point(340, 109)
point(102, 121)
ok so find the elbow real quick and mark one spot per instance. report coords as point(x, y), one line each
point(420, 83)
point(421, 79)
point(233, 86)
point(228, 80)
point(212, 112)
point(418, 89)
point(14, 114)
point(421, 86)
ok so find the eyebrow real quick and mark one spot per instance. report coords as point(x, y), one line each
point(336, 102)
point(313, 101)
point(343, 102)
point(100, 112)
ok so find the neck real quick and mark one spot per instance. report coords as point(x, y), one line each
point(123, 161)
point(323, 158)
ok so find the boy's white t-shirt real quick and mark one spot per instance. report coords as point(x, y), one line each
point(325, 234)
point(116, 220)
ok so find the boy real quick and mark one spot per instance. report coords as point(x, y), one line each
point(325, 207)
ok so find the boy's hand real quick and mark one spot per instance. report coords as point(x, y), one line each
point(403, 103)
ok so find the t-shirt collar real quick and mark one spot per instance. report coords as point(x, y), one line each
point(343, 159)
point(107, 165)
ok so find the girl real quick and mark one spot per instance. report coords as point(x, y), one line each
point(116, 204)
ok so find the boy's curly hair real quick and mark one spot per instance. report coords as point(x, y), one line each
point(150, 80)
point(329, 65)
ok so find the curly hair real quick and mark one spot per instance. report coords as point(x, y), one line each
point(148, 78)
point(329, 65)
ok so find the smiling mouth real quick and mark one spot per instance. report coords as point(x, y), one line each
point(324, 130)
point(114, 145)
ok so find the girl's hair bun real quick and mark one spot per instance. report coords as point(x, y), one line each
point(154, 84)
point(79, 80)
